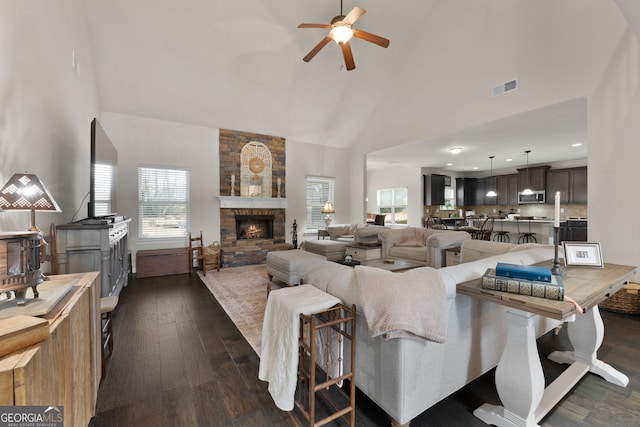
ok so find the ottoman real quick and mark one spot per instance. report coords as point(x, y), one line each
point(333, 250)
point(285, 265)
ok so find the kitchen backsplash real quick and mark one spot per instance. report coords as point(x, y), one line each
point(538, 210)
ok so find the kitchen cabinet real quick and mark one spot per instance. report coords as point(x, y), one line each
point(433, 186)
point(483, 185)
point(534, 178)
point(571, 183)
point(578, 185)
point(558, 180)
point(480, 191)
point(577, 230)
point(490, 183)
point(465, 191)
point(507, 188)
point(513, 189)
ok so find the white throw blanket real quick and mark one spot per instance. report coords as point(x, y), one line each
point(280, 332)
point(408, 304)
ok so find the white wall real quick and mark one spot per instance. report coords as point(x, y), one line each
point(45, 107)
point(614, 156)
point(309, 159)
point(149, 142)
point(398, 177)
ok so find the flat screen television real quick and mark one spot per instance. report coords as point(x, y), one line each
point(104, 174)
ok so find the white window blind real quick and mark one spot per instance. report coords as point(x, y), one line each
point(319, 190)
point(163, 202)
point(394, 202)
point(104, 177)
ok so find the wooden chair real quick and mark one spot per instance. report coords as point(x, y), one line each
point(379, 220)
point(195, 252)
point(107, 305)
point(485, 230)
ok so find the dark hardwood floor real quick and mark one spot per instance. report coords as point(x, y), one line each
point(179, 361)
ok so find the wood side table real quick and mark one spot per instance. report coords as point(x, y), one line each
point(519, 376)
point(323, 234)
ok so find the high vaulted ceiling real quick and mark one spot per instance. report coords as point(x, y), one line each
point(238, 65)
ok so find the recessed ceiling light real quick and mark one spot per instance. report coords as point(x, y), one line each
point(577, 144)
point(455, 150)
point(508, 160)
point(475, 168)
point(449, 164)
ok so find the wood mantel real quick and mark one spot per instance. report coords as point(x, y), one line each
point(232, 202)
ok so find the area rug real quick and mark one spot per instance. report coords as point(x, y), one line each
point(242, 293)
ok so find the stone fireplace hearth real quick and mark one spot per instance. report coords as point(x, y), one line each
point(238, 248)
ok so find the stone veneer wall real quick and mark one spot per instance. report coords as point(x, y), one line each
point(231, 143)
point(251, 251)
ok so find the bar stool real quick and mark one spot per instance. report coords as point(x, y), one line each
point(107, 305)
point(525, 236)
point(501, 235)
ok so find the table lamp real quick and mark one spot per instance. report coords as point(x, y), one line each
point(327, 209)
point(25, 192)
point(21, 268)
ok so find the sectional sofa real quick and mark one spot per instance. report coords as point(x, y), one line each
point(406, 376)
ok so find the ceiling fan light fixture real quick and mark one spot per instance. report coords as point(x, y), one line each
point(341, 33)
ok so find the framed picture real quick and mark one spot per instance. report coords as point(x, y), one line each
point(582, 254)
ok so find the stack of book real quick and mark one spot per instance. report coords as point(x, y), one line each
point(524, 280)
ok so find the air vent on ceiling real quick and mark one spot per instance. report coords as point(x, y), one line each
point(505, 87)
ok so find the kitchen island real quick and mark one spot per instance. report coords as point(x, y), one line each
point(542, 227)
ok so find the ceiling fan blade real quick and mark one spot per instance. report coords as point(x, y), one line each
point(354, 15)
point(314, 26)
point(348, 56)
point(380, 41)
point(316, 49)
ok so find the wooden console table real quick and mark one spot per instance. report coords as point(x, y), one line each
point(64, 369)
point(519, 376)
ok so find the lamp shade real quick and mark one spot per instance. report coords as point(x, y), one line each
point(25, 192)
point(327, 208)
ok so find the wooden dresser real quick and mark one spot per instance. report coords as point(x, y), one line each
point(64, 369)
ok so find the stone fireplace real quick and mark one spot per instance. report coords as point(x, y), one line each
point(250, 227)
point(254, 227)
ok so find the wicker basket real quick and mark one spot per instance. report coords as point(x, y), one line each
point(625, 301)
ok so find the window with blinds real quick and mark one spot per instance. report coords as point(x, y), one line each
point(163, 203)
point(104, 176)
point(319, 190)
point(393, 202)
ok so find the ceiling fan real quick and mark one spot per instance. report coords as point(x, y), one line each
point(341, 32)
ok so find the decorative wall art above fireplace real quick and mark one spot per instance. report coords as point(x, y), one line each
point(255, 170)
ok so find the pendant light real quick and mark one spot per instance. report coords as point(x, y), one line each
point(528, 191)
point(491, 192)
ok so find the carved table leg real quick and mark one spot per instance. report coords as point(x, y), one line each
point(519, 376)
point(586, 335)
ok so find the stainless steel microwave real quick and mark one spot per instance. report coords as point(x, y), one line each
point(535, 197)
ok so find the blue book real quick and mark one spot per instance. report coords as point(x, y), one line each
point(526, 272)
